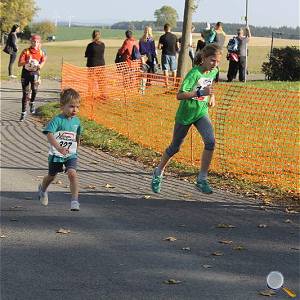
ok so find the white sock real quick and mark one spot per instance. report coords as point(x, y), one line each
point(202, 176)
point(158, 171)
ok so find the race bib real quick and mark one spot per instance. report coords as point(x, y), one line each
point(67, 140)
point(201, 84)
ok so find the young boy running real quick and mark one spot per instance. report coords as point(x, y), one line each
point(63, 133)
point(32, 60)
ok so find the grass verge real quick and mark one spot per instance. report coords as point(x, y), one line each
point(107, 140)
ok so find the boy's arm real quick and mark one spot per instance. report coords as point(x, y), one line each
point(52, 141)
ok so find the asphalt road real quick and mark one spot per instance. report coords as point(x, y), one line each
point(116, 247)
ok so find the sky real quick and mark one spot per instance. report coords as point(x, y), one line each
point(273, 13)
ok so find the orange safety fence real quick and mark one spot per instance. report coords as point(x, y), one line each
point(256, 129)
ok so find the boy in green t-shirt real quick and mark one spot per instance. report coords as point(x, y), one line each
point(195, 95)
point(63, 134)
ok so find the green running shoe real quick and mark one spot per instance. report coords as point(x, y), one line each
point(156, 182)
point(204, 187)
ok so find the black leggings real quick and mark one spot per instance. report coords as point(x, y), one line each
point(32, 79)
point(12, 58)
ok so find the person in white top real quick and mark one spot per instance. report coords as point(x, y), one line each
point(191, 45)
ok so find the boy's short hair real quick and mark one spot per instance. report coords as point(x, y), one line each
point(69, 96)
point(128, 34)
point(167, 27)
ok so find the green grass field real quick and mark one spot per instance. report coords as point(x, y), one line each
point(65, 33)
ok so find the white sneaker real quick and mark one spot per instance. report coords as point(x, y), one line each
point(43, 197)
point(75, 205)
point(12, 76)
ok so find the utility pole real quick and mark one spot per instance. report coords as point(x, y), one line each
point(70, 20)
point(246, 19)
point(186, 30)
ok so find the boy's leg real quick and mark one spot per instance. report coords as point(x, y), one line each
point(54, 168)
point(74, 188)
point(71, 166)
point(46, 182)
point(205, 128)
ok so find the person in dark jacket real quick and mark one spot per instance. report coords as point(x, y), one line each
point(95, 51)
point(12, 43)
point(147, 48)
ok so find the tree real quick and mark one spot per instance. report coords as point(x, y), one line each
point(44, 29)
point(16, 11)
point(189, 8)
point(284, 64)
point(166, 14)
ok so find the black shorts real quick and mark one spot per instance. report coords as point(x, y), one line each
point(58, 167)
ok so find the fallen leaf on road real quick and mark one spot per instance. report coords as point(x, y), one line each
point(239, 248)
point(170, 239)
point(294, 248)
point(90, 187)
point(188, 195)
point(129, 154)
point(227, 242)
point(225, 226)
point(57, 182)
point(186, 248)
point(147, 197)
point(108, 186)
point(172, 281)
point(63, 231)
point(206, 266)
point(269, 293)
point(290, 211)
point(217, 253)
point(262, 226)
point(291, 293)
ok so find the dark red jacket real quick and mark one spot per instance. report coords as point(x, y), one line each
point(126, 49)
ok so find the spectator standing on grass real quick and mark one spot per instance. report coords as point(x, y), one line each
point(147, 49)
point(243, 41)
point(95, 51)
point(169, 45)
point(195, 95)
point(32, 60)
point(209, 34)
point(11, 48)
point(237, 54)
point(200, 43)
point(219, 39)
point(63, 134)
point(127, 47)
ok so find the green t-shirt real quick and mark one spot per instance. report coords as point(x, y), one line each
point(191, 110)
point(65, 130)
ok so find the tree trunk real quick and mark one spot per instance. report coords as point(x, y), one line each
point(186, 30)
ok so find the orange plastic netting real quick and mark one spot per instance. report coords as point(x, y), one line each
point(257, 130)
